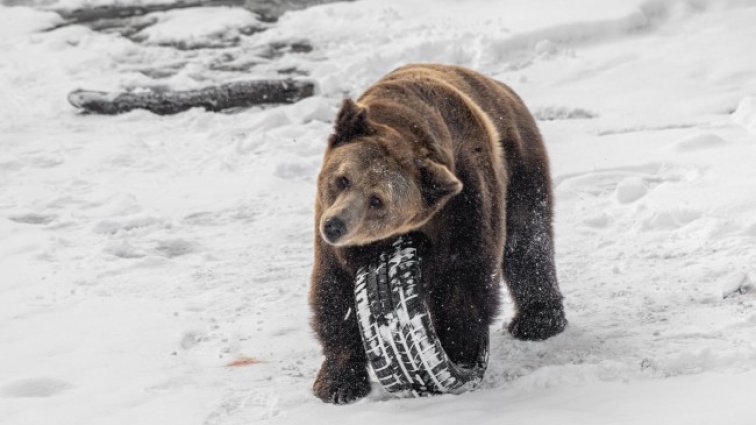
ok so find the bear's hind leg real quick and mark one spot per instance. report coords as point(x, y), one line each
point(529, 268)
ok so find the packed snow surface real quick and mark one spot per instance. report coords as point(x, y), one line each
point(142, 254)
point(199, 26)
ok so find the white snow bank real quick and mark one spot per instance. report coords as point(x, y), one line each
point(745, 114)
point(490, 35)
point(198, 26)
point(18, 20)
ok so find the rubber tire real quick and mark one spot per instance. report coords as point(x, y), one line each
point(397, 329)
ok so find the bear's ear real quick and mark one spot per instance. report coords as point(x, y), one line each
point(438, 183)
point(351, 122)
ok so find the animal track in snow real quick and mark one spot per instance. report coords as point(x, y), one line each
point(34, 387)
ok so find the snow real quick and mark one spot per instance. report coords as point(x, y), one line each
point(18, 21)
point(745, 114)
point(630, 189)
point(199, 26)
point(142, 254)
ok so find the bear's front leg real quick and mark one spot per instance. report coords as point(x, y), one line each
point(343, 376)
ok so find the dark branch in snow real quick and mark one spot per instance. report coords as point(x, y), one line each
point(121, 11)
point(268, 10)
point(214, 98)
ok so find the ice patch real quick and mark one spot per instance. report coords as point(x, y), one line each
point(745, 114)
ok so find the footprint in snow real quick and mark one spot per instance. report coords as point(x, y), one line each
point(174, 248)
point(190, 339)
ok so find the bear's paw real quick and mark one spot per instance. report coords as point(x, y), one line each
point(537, 323)
point(341, 386)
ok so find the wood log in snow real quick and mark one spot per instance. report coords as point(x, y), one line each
point(213, 98)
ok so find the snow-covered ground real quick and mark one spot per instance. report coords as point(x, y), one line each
point(142, 254)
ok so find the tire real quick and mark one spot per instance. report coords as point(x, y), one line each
point(397, 329)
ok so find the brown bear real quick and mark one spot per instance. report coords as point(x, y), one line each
point(454, 156)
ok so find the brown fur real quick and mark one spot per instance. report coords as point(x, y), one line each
point(456, 158)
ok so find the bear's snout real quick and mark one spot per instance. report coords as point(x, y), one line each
point(334, 229)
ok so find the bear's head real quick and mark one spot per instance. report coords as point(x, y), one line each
point(374, 184)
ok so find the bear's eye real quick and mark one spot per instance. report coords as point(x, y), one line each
point(342, 183)
point(375, 202)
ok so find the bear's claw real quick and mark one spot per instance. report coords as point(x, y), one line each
point(537, 323)
point(341, 387)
